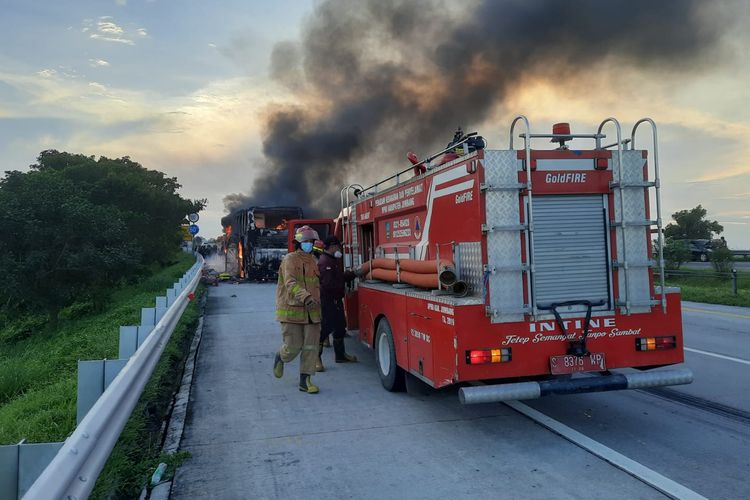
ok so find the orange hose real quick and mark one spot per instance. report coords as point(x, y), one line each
point(408, 265)
point(416, 279)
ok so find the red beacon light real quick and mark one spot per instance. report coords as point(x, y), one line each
point(561, 134)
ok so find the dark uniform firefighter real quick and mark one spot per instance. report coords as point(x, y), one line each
point(298, 309)
point(332, 282)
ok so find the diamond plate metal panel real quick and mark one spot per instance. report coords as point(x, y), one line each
point(470, 267)
point(355, 241)
point(633, 239)
point(424, 294)
point(503, 247)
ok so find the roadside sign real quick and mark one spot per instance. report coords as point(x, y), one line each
point(186, 236)
point(193, 218)
point(193, 229)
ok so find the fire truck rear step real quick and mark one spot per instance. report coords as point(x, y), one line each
point(614, 382)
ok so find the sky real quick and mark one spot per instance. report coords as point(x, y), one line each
point(187, 87)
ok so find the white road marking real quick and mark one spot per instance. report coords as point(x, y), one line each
point(635, 469)
point(715, 355)
point(718, 313)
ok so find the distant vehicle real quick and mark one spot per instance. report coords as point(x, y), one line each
point(700, 249)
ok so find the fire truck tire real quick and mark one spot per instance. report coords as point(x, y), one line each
point(391, 375)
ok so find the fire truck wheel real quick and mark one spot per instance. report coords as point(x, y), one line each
point(391, 375)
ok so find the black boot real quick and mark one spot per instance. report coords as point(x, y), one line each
point(306, 385)
point(340, 351)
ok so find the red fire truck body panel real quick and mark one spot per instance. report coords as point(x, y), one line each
point(432, 338)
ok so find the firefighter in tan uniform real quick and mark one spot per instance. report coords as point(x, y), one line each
point(298, 309)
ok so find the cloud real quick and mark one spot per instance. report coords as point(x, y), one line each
point(97, 36)
point(108, 27)
point(98, 87)
point(98, 63)
point(107, 30)
point(217, 124)
point(121, 3)
point(50, 94)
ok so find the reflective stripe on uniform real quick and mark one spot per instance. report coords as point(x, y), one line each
point(291, 313)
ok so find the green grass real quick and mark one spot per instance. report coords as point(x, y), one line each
point(713, 290)
point(38, 367)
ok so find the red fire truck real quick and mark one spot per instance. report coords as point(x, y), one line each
point(530, 270)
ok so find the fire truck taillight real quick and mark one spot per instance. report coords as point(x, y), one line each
point(655, 343)
point(483, 356)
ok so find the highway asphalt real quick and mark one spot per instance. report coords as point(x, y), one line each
point(253, 436)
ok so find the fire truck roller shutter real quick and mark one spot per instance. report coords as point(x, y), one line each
point(570, 249)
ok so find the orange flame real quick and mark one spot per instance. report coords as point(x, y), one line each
point(282, 226)
point(242, 262)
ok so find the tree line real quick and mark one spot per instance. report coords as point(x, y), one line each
point(690, 225)
point(73, 227)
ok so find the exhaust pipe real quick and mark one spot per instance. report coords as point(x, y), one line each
point(534, 390)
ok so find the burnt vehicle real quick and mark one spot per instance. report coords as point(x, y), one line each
point(255, 241)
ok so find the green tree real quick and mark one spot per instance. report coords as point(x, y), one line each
point(73, 226)
point(692, 225)
point(721, 259)
point(675, 252)
point(57, 246)
point(149, 201)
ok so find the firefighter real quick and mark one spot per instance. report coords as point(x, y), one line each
point(298, 309)
point(332, 281)
point(318, 249)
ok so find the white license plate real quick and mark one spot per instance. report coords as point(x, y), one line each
point(570, 363)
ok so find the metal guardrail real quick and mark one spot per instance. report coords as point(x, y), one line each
point(732, 275)
point(740, 253)
point(71, 475)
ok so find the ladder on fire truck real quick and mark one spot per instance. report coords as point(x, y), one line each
point(627, 188)
point(350, 243)
point(348, 204)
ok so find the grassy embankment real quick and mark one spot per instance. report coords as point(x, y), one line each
point(38, 374)
point(713, 290)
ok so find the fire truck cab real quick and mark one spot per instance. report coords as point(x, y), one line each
point(554, 248)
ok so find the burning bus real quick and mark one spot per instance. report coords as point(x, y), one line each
point(255, 241)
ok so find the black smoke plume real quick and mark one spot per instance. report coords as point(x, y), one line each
point(377, 78)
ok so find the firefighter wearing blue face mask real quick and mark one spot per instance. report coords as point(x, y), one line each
point(298, 309)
